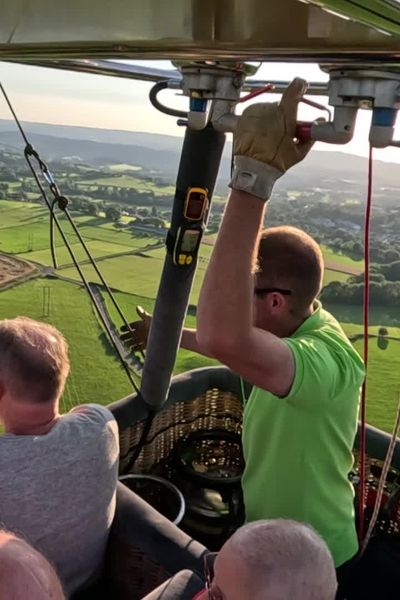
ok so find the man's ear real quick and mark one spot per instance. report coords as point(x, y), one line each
point(277, 300)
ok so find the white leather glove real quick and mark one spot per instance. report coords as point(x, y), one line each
point(264, 145)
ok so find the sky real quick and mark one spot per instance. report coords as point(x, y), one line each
point(67, 98)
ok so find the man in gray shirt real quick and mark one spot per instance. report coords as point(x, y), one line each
point(58, 473)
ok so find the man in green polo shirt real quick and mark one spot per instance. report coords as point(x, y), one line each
point(298, 447)
point(261, 319)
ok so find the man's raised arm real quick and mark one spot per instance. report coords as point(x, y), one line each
point(264, 147)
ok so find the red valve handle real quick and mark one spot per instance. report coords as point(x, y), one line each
point(303, 131)
point(254, 93)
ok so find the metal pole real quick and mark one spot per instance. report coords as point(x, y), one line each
point(200, 160)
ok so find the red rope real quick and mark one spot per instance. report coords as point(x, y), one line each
point(367, 227)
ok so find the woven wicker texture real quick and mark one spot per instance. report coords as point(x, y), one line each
point(216, 409)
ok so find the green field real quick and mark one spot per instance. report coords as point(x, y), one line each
point(24, 229)
point(17, 213)
point(120, 168)
point(100, 230)
point(351, 318)
point(330, 275)
point(97, 249)
point(96, 375)
point(127, 181)
point(134, 274)
point(383, 384)
point(340, 260)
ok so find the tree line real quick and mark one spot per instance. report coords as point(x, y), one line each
point(381, 291)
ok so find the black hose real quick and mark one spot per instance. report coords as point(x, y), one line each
point(52, 241)
point(142, 441)
point(173, 112)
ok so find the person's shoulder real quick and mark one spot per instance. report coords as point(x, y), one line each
point(328, 330)
point(88, 432)
point(331, 328)
point(93, 422)
point(329, 319)
point(327, 343)
point(95, 413)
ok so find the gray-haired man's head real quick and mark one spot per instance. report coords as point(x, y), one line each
point(274, 560)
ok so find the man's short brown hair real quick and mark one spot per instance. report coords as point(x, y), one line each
point(288, 258)
point(33, 359)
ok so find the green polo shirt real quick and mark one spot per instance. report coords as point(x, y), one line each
point(298, 449)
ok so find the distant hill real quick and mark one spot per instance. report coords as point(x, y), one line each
point(92, 134)
point(162, 153)
point(97, 153)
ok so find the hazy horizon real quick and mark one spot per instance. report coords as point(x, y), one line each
point(54, 97)
point(318, 147)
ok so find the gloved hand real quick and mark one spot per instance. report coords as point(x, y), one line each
point(264, 144)
point(136, 339)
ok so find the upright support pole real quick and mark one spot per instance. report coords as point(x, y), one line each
point(200, 160)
